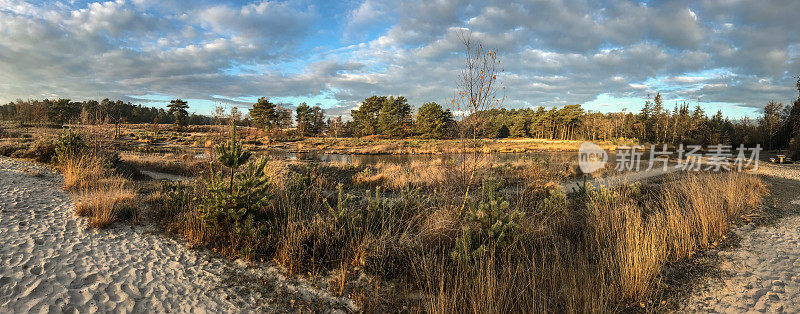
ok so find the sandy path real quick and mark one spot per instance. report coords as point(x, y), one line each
point(762, 273)
point(50, 261)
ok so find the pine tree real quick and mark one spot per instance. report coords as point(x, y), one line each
point(394, 119)
point(264, 114)
point(365, 118)
point(433, 122)
point(310, 121)
point(177, 109)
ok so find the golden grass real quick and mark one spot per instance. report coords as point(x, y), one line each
point(101, 196)
point(184, 165)
point(114, 199)
point(593, 254)
point(83, 172)
point(395, 176)
point(620, 251)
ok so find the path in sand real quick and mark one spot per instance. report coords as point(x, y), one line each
point(50, 261)
point(762, 273)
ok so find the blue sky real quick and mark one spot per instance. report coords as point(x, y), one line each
point(733, 56)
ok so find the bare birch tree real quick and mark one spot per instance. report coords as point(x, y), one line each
point(477, 91)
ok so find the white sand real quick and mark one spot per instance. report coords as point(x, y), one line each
point(762, 273)
point(50, 261)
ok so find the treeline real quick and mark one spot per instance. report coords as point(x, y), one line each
point(62, 111)
point(393, 117)
point(385, 116)
point(653, 124)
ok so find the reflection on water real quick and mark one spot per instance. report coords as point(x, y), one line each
point(570, 157)
point(402, 159)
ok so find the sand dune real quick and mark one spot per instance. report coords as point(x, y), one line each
point(50, 261)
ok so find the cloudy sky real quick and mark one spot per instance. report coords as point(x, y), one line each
point(734, 55)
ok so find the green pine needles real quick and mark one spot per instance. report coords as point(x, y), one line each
point(68, 145)
point(232, 155)
point(490, 226)
point(232, 205)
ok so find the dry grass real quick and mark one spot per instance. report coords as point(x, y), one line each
point(101, 196)
point(8, 148)
point(84, 172)
point(593, 252)
point(114, 199)
point(184, 165)
point(395, 176)
point(612, 258)
point(374, 145)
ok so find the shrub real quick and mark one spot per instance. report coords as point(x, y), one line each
point(9, 148)
point(42, 150)
point(176, 198)
point(488, 225)
point(68, 146)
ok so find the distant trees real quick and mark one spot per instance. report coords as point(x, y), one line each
point(310, 120)
point(87, 112)
point(336, 127)
point(177, 109)
point(264, 114)
point(433, 122)
point(381, 115)
point(284, 116)
point(62, 110)
point(791, 127)
point(365, 118)
point(391, 117)
point(770, 123)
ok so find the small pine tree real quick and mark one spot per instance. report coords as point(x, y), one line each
point(490, 225)
point(68, 145)
point(231, 154)
point(231, 207)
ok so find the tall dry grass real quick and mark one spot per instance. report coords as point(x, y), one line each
point(101, 195)
point(593, 251)
point(113, 199)
point(613, 256)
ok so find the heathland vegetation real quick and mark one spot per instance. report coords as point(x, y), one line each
point(521, 243)
point(461, 233)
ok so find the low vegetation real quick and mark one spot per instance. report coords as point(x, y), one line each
point(522, 244)
point(396, 235)
point(96, 178)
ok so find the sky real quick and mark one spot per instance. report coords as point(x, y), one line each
point(728, 55)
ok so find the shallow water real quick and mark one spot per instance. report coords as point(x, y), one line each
point(403, 159)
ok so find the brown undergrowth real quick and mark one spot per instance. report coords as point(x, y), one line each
point(395, 236)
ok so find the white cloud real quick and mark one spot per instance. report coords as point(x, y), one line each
point(554, 52)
